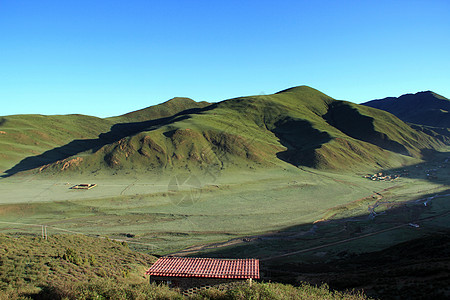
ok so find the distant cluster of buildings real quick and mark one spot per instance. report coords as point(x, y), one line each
point(381, 176)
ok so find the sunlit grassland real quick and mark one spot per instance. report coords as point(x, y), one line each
point(143, 209)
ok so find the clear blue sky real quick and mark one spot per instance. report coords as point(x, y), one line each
point(107, 58)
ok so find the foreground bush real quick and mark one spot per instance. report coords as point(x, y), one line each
point(278, 291)
point(109, 289)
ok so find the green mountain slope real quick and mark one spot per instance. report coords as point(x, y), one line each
point(300, 126)
point(30, 135)
point(47, 139)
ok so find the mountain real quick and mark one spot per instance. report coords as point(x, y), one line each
point(299, 126)
point(423, 108)
point(23, 136)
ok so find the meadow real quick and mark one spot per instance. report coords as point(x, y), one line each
point(166, 214)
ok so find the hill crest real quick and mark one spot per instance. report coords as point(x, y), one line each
point(162, 110)
point(299, 126)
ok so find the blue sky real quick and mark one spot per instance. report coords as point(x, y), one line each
point(107, 58)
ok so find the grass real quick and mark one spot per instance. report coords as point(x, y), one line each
point(142, 209)
point(232, 206)
point(29, 264)
point(350, 227)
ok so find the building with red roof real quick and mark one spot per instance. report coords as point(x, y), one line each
point(191, 274)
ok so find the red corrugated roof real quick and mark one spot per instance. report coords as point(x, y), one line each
point(205, 267)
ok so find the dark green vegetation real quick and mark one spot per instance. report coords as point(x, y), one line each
point(416, 269)
point(80, 267)
point(423, 108)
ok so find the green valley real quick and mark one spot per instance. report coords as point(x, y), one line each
point(282, 177)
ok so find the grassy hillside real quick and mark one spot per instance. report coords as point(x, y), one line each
point(62, 267)
point(49, 139)
point(300, 126)
point(32, 265)
point(30, 135)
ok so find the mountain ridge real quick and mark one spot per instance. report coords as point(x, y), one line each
point(422, 108)
point(300, 126)
point(162, 110)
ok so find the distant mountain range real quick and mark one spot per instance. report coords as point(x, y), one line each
point(299, 126)
point(423, 108)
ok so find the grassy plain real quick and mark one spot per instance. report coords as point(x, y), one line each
point(158, 216)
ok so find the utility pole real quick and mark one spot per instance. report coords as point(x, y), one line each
point(44, 232)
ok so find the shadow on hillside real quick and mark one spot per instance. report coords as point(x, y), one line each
point(301, 141)
point(351, 122)
point(435, 168)
point(440, 133)
point(116, 133)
